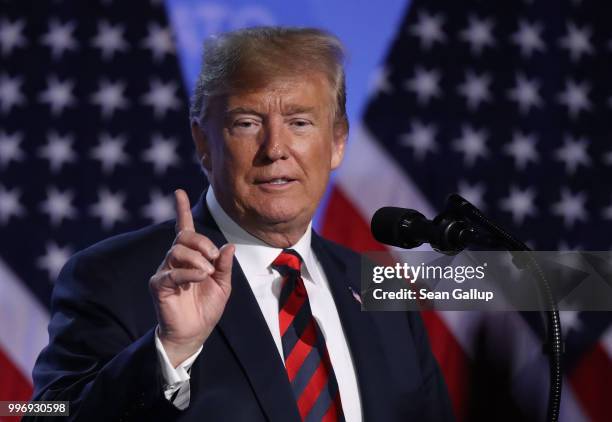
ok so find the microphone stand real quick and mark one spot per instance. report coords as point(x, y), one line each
point(553, 344)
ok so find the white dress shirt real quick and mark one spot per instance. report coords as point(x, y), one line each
point(255, 257)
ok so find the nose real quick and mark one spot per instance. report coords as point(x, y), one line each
point(275, 143)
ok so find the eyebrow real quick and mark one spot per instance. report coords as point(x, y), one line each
point(297, 109)
point(289, 110)
point(242, 110)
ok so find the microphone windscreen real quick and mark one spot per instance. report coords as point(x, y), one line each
point(385, 225)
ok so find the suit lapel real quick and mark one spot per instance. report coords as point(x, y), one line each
point(247, 333)
point(361, 334)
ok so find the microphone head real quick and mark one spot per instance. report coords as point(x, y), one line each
point(388, 224)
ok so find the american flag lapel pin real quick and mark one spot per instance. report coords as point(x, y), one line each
point(356, 295)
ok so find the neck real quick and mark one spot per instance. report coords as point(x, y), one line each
point(276, 235)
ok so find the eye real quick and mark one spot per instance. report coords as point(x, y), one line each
point(245, 124)
point(300, 123)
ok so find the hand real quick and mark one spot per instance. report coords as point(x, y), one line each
point(191, 286)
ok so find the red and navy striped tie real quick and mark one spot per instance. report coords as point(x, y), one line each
point(306, 358)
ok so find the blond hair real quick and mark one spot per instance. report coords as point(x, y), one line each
point(251, 58)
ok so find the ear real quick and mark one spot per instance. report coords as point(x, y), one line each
point(200, 140)
point(339, 143)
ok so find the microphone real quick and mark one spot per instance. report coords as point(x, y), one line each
point(407, 229)
point(462, 224)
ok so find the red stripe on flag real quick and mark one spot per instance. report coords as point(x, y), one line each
point(452, 359)
point(13, 384)
point(591, 380)
point(342, 223)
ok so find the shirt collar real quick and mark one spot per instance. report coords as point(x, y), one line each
point(253, 254)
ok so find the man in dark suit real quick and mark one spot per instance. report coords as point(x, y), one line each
point(251, 316)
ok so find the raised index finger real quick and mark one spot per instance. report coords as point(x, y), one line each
point(184, 219)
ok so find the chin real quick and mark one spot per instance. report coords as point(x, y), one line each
point(281, 213)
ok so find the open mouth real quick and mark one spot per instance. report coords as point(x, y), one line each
point(275, 181)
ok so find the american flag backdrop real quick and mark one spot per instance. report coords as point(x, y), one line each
point(94, 138)
point(505, 102)
point(508, 103)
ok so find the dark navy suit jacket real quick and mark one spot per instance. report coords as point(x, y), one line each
point(102, 357)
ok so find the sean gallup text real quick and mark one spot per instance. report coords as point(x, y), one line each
point(424, 294)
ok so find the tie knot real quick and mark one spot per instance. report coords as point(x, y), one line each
point(287, 260)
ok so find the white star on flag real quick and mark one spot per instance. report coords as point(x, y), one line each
point(109, 152)
point(475, 89)
point(472, 144)
point(428, 29)
point(379, 81)
point(575, 97)
point(425, 84)
point(162, 153)
point(159, 41)
point(58, 95)
point(526, 93)
point(571, 207)
point(54, 259)
point(110, 97)
point(573, 153)
point(478, 34)
point(421, 139)
point(10, 149)
point(161, 97)
point(109, 39)
point(10, 205)
point(522, 149)
point(10, 92)
point(577, 41)
point(58, 205)
point(160, 207)
point(109, 208)
point(58, 151)
point(520, 203)
point(474, 193)
point(11, 35)
point(84, 87)
point(570, 320)
point(529, 38)
point(59, 38)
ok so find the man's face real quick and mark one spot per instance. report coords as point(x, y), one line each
point(269, 152)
